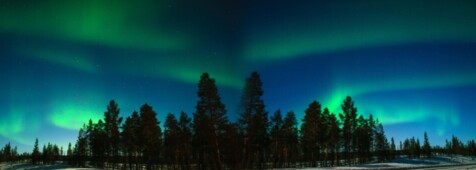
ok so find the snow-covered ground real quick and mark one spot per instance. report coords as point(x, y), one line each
point(437, 162)
point(406, 163)
point(27, 166)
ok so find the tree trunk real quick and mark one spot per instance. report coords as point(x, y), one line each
point(217, 154)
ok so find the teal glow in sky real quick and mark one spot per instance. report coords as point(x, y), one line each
point(410, 64)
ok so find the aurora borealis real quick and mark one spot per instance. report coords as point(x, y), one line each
point(411, 64)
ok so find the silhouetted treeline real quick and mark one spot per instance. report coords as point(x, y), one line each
point(50, 155)
point(257, 140)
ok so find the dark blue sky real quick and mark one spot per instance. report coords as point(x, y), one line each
point(410, 64)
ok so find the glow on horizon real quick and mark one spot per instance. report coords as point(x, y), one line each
point(71, 116)
point(340, 91)
point(13, 125)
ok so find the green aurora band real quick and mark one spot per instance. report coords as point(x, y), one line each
point(342, 90)
point(73, 116)
point(395, 23)
point(68, 58)
point(13, 125)
point(122, 24)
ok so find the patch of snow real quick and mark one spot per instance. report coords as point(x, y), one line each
point(28, 166)
point(404, 162)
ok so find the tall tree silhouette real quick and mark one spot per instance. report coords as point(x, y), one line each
point(35, 154)
point(471, 148)
point(309, 133)
point(348, 118)
point(334, 138)
point(324, 135)
point(277, 138)
point(171, 141)
point(98, 143)
point(69, 154)
point(80, 149)
point(381, 143)
point(185, 139)
point(254, 122)
point(291, 145)
point(209, 122)
point(7, 154)
point(130, 139)
point(112, 121)
point(426, 146)
point(363, 133)
point(151, 135)
point(393, 149)
point(232, 146)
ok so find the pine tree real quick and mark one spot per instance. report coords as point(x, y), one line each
point(69, 154)
point(291, 144)
point(363, 133)
point(151, 136)
point(55, 153)
point(130, 139)
point(98, 143)
point(381, 143)
point(7, 152)
point(348, 117)
point(44, 155)
point(426, 146)
point(209, 121)
point(372, 130)
point(334, 138)
point(112, 121)
point(232, 146)
point(309, 133)
point(393, 149)
point(185, 139)
point(417, 148)
point(80, 149)
point(171, 140)
point(254, 121)
point(324, 127)
point(472, 148)
point(277, 138)
point(35, 154)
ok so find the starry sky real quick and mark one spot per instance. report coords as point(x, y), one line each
point(412, 64)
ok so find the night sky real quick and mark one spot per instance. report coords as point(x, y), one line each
point(412, 64)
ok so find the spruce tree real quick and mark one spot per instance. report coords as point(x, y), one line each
point(334, 138)
point(151, 136)
point(171, 140)
point(80, 149)
point(324, 135)
point(348, 118)
point(277, 138)
point(130, 139)
point(393, 149)
point(69, 154)
point(112, 121)
point(291, 144)
point(254, 121)
point(426, 146)
point(209, 122)
point(185, 139)
point(35, 154)
point(309, 133)
point(381, 143)
point(98, 143)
